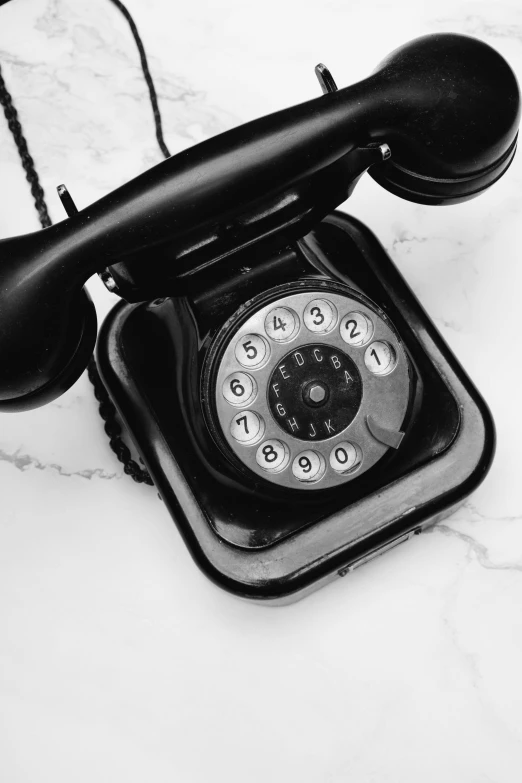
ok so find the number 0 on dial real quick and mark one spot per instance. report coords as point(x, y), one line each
point(344, 457)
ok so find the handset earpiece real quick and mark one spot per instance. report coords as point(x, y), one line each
point(447, 105)
point(449, 109)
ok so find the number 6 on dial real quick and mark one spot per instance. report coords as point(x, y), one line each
point(239, 389)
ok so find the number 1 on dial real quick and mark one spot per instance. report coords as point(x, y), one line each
point(380, 358)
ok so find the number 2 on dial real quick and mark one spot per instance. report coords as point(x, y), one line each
point(353, 333)
point(356, 329)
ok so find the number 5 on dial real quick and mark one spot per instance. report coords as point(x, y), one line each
point(252, 350)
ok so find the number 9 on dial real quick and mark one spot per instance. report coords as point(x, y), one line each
point(239, 389)
point(308, 466)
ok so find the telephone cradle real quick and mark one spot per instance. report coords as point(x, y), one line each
point(277, 542)
point(296, 408)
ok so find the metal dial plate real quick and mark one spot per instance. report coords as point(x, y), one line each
point(312, 388)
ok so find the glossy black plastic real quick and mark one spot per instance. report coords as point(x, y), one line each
point(253, 540)
point(447, 105)
point(466, 139)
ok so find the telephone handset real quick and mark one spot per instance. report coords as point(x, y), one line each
point(295, 406)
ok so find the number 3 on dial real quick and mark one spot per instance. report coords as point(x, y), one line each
point(320, 316)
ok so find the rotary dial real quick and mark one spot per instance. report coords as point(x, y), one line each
point(311, 389)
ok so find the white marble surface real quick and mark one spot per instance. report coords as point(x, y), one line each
point(119, 661)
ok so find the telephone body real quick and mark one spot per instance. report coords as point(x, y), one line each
point(295, 406)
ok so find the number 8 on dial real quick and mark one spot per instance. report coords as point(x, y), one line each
point(273, 456)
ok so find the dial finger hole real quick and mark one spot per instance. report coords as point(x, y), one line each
point(273, 456)
point(239, 389)
point(345, 457)
point(252, 351)
point(309, 466)
point(356, 329)
point(281, 324)
point(320, 316)
point(247, 427)
point(380, 358)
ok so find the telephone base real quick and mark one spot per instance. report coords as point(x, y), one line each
point(251, 538)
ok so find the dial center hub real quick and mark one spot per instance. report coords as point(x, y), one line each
point(314, 392)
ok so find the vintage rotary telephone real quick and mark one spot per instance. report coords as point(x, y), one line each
point(296, 408)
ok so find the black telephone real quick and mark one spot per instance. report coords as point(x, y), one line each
point(296, 408)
